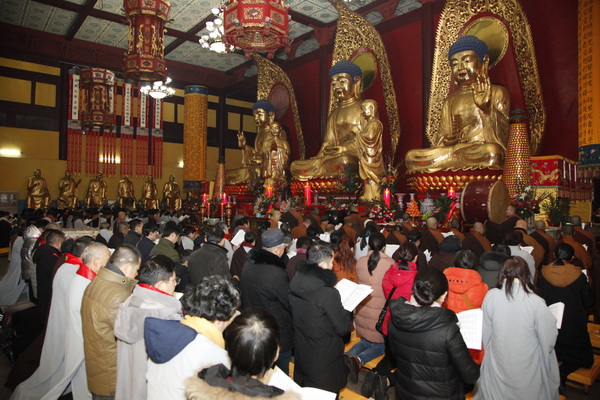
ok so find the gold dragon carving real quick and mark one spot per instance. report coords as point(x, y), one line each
point(453, 20)
point(269, 75)
point(353, 33)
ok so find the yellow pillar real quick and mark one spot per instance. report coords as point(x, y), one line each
point(589, 81)
point(194, 139)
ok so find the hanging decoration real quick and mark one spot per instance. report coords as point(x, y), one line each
point(109, 139)
point(145, 59)
point(255, 25)
point(142, 133)
point(74, 132)
point(157, 140)
point(127, 155)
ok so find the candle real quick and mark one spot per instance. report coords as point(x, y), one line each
point(204, 198)
point(224, 201)
point(387, 197)
point(269, 191)
point(307, 194)
point(451, 192)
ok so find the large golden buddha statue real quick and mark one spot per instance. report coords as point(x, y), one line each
point(264, 116)
point(67, 199)
point(38, 195)
point(125, 193)
point(343, 125)
point(172, 194)
point(150, 194)
point(475, 118)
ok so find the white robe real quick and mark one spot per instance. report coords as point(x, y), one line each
point(519, 334)
point(73, 368)
point(53, 350)
point(11, 285)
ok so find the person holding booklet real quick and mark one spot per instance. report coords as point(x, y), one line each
point(371, 270)
point(320, 322)
point(519, 333)
point(561, 281)
point(431, 355)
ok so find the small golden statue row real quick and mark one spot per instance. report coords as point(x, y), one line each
point(38, 195)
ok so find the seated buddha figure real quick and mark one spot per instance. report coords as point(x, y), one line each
point(475, 118)
point(264, 116)
point(343, 125)
point(38, 195)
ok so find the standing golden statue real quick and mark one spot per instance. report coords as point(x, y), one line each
point(38, 195)
point(172, 194)
point(275, 155)
point(96, 192)
point(343, 125)
point(370, 151)
point(67, 199)
point(150, 194)
point(125, 193)
point(475, 117)
point(264, 116)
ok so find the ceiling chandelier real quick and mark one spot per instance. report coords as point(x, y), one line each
point(214, 40)
point(158, 90)
point(256, 25)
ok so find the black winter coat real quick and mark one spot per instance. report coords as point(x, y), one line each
point(264, 284)
point(208, 260)
point(320, 323)
point(433, 361)
point(566, 283)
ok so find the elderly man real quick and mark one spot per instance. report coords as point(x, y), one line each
point(538, 250)
point(476, 241)
point(265, 284)
point(431, 237)
point(275, 219)
point(99, 306)
point(118, 237)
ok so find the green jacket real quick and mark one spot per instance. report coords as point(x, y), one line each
point(167, 248)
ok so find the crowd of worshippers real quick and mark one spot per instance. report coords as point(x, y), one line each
point(108, 320)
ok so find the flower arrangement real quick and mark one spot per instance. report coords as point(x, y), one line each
point(263, 204)
point(556, 209)
point(442, 206)
point(380, 213)
point(528, 202)
point(390, 178)
point(348, 181)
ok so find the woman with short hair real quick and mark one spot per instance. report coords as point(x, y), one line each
point(252, 342)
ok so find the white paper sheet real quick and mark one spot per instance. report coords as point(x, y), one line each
point(390, 249)
point(557, 309)
point(238, 238)
point(280, 380)
point(352, 294)
point(470, 323)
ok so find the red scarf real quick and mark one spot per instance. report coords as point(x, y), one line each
point(300, 251)
point(86, 272)
point(71, 259)
point(150, 287)
point(246, 244)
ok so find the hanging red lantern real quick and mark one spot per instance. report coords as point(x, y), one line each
point(98, 97)
point(256, 25)
point(145, 59)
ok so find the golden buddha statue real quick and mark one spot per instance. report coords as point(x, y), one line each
point(172, 194)
point(125, 193)
point(96, 193)
point(275, 155)
point(343, 125)
point(264, 116)
point(475, 118)
point(150, 194)
point(67, 199)
point(38, 195)
point(370, 151)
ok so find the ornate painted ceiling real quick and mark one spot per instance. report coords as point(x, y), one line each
point(103, 22)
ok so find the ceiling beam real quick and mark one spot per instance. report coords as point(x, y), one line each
point(76, 25)
point(190, 35)
point(306, 20)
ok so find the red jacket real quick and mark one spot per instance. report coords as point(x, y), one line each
point(403, 281)
point(464, 281)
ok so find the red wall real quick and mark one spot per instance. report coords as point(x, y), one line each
point(554, 29)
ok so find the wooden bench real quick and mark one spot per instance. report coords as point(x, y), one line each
point(594, 331)
point(583, 378)
point(347, 394)
point(4, 251)
point(470, 395)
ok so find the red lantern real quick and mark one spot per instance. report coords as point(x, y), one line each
point(145, 59)
point(98, 107)
point(256, 25)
